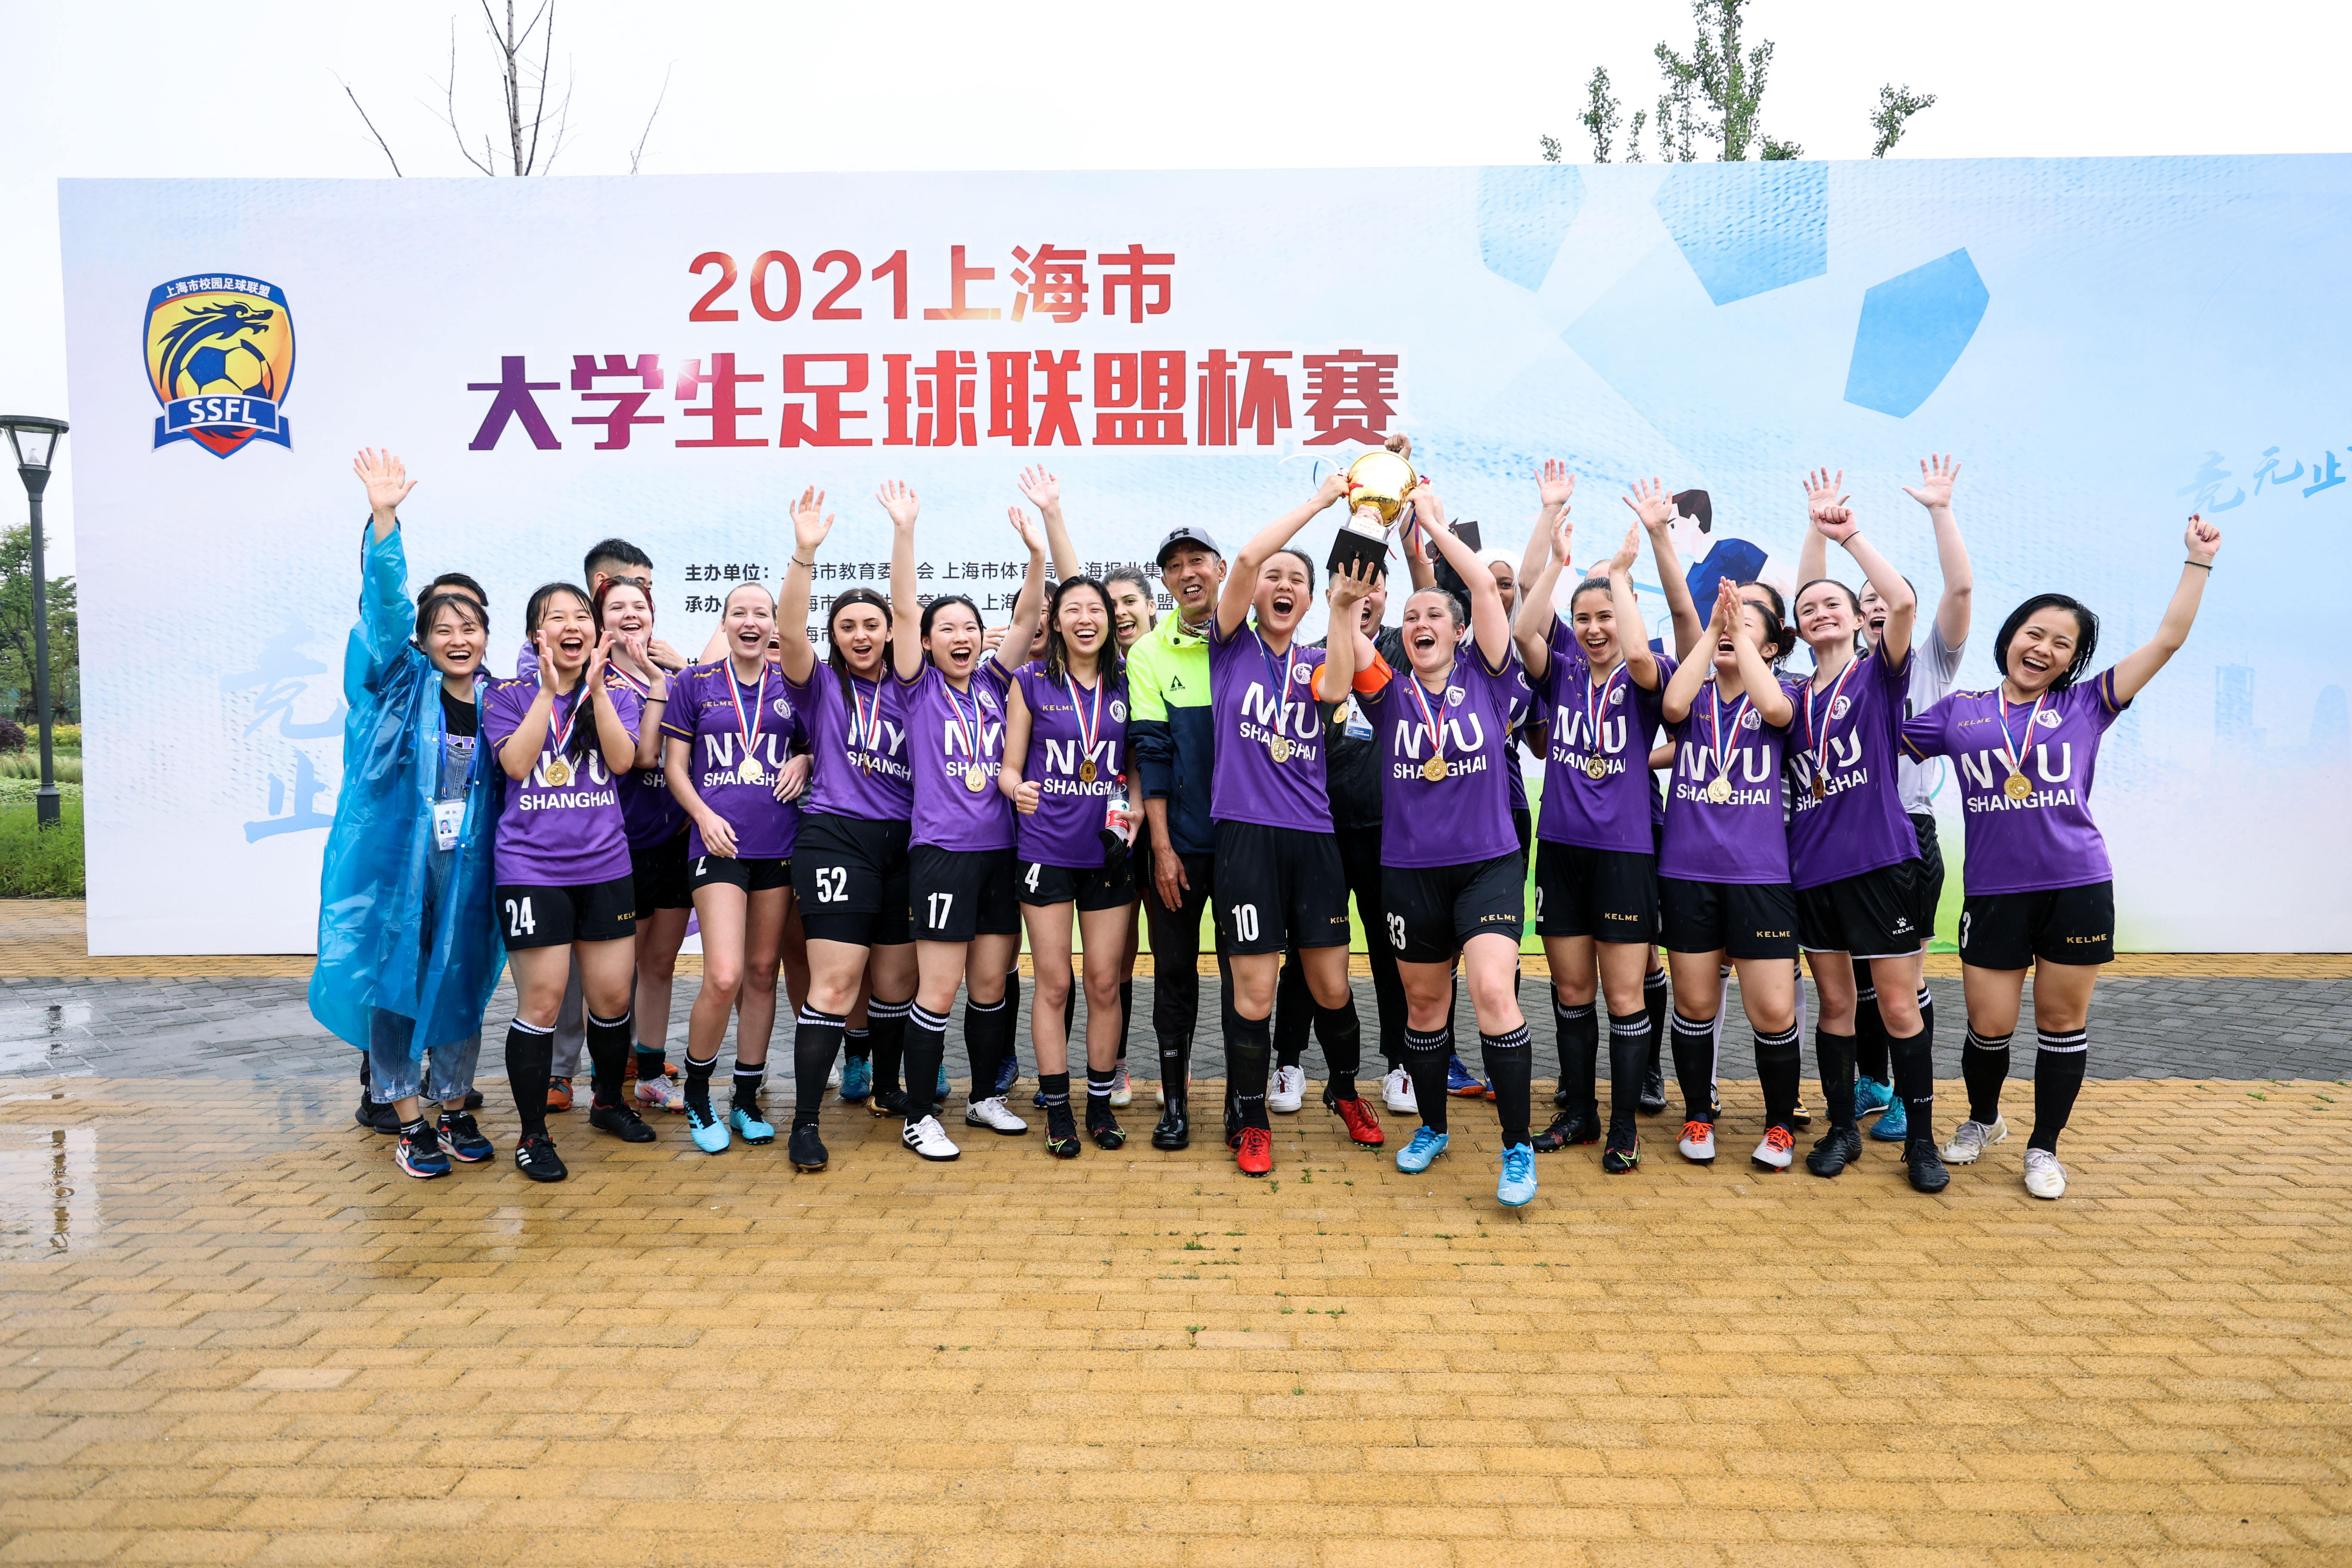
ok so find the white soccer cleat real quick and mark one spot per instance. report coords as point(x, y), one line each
point(1120, 1094)
point(928, 1139)
point(1778, 1151)
point(1697, 1142)
point(1288, 1090)
point(1396, 1092)
point(993, 1114)
point(1973, 1138)
point(2044, 1176)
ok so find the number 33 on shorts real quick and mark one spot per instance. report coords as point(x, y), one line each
point(1396, 932)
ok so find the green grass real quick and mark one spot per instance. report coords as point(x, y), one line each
point(36, 864)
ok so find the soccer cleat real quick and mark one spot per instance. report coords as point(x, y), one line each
point(857, 1080)
point(1105, 1131)
point(1871, 1096)
point(661, 1094)
point(1972, 1139)
point(1254, 1151)
point(929, 1140)
point(1778, 1151)
point(1008, 1073)
point(993, 1114)
point(1561, 1097)
point(463, 1139)
point(1038, 1098)
point(1175, 1127)
point(1517, 1186)
point(1396, 1092)
point(888, 1103)
point(1061, 1132)
point(1798, 1117)
point(622, 1121)
point(1653, 1098)
point(420, 1155)
point(710, 1133)
point(805, 1149)
point(559, 1094)
point(1120, 1094)
point(747, 1119)
point(535, 1157)
point(1927, 1172)
point(1362, 1124)
point(1697, 1142)
point(1625, 1151)
point(1838, 1148)
point(1569, 1127)
point(2044, 1176)
point(1287, 1092)
point(939, 1094)
point(1461, 1081)
point(1894, 1124)
point(1426, 1146)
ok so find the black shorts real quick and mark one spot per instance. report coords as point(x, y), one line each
point(1100, 889)
point(850, 873)
point(657, 871)
point(1429, 911)
point(1278, 887)
point(2063, 925)
point(959, 894)
point(532, 916)
point(1609, 895)
point(759, 876)
point(1741, 920)
point(1931, 875)
point(1874, 915)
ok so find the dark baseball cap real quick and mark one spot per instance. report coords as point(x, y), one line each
point(1183, 536)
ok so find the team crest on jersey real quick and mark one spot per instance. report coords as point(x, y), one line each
point(1454, 694)
point(1751, 720)
point(1616, 697)
point(1838, 708)
point(220, 359)
point(1303, 673)
point(784, 708)
point(2050, 718)
point(988, 701)
point(1117, 711)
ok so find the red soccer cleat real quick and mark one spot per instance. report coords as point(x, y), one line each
point(1255, 1152)
point(1362, 1126)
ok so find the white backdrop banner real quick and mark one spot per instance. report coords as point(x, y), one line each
point(2107, 344)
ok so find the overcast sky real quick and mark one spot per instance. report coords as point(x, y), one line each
point(134, 88)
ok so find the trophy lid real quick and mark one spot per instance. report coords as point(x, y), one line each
point(1382, 481)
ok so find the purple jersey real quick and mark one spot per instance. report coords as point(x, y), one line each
point(2047, 839)
point(1066, 828)
point(1526, 711)
point(1745, 838)
point(716, 716)
point(568, 834)
point(860, 744)
point(950, 735)
point(1844, 735)
point(1611, 719)
point(648, 810)
point(1258, 699)
point(1464, 817)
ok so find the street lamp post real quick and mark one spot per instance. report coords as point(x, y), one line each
point(34, 441)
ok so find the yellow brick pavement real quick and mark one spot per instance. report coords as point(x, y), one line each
point(234, 1334)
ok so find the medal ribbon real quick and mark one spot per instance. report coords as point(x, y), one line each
point(2013, 752)
point(973, 734)
point(1281, 680)
point(1821, 753)
point(1436, 736)
point(1089, 727)
point(564, 734)
point(1592, 708)
point(1715, 721)
point(864, 727)
point(750, 730)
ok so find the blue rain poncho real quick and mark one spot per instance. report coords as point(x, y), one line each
point(403, 927)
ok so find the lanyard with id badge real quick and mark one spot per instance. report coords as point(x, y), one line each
point(457, 754)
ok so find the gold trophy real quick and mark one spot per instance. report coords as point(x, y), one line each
point(1379, 496)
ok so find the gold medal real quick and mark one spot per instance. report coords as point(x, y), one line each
point(1086, 773)
point(974, 779)
point(749, 770)
point(1718, 789)
point(1596, 767)
point(1821, 792)
point(1433, 770)
point(559, 772)
point(1278, 748)
point(2017, 788)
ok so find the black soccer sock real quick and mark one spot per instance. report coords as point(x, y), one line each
point(1424, 1059)
point(1833, 1055)
point(1508, 1060)
point(1294, 1013)
point(530, 1061)
point(1580, 1050)
point(1126, 1016)
point(1100, 1083)
point(1928, 1017)
point(697, 1084)
point(886, 1026)
point(1341, 1035)
point(926, 1046)
point(1694, 1042)
point(980, 1040)
point(1056, 1088)
point(748, 1082)
point(1915, 1080)
point(608, 1056)
point(1984, 1068)
point(1248, 1051)
point(1069, 1005)
point(1629, 1058)
point(857, 1045)
point(2057, 1079)
point(1869, 1028)
point(1781, 1066)
point(1656, 995)
point(815, 1038)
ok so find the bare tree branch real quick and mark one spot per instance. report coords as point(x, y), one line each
point(449, 115)
point(385, 145)
point(639, 152)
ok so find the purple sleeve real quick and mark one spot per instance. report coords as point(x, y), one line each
point(992, 670)
point(684, 709)
point(502, 710)
point(1924, 736)
point(629, 706)
point(526, 662)
point(2106, 709)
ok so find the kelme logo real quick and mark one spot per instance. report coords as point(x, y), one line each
point(220, 356)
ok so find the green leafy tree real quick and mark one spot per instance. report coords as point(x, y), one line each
point(1896, 105)
point(17, 635)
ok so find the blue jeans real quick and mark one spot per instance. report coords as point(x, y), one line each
point(391, 1075)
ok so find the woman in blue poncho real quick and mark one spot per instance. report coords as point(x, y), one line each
point(408, 943)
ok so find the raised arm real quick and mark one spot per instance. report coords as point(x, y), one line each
point(1030, 606)
point(1018, 721)
point(1241, 583)
point(388, 485)
point(1691, 674)
point(1934, 493)
point(811, 524)
point(1641, 664)
point(2137, 668)
point(906, 611)
point(1044, 493)
point(1554, 486)
point(1489, 624)
point(1840, 525)
point(1822, 490)
point(1756, 676)
point(1347, 648)
point(1532, 629)
point(1654, 505)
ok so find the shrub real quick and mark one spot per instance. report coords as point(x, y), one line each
point(12, 735)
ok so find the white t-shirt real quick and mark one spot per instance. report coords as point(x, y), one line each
point(1935, 665)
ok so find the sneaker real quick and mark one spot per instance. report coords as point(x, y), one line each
point(755, 1127)
point(710, 1133)
point(1870, 1096)
point(1106, 1132)
point(806, 1150)
point(661, 1094)
point(473, 1099)
point(888, 1103)
point(1120, 1094)
point(1894, 1124)
point(535, 1157)
point(1426, 1146)
point(1839, 1147)
point(1973, 1138)
point(1061, 1132)
point(993, 1114)
point(1396, 1092)
point(559, 1094)
point(1927, 1172)
point(463, 1139)
point(940, 1093)
point(857, 1080)
point(1569, 1127)
point(1625, 1151)
point(1362, 1124)
point(366, 1115)
point(1254, 1151)
point(929, 1140)
point(384, 1119)
point(1653, 1098)
point(419, 1154)
point(1778, 1149)
point(1008, 1073)
point(1798, 1117)
point(2044, 1176)
point(1287, 1092)
point(1516, 1187)
point(622, 1121)
point(1460, 1080)
point(1697, 1142)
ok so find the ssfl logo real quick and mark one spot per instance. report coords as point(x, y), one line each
point(220, 356)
